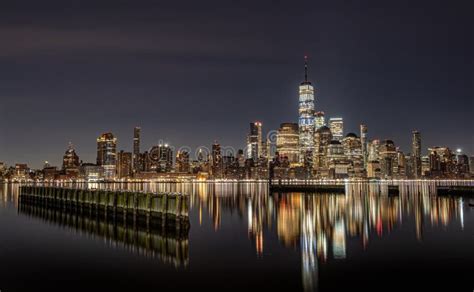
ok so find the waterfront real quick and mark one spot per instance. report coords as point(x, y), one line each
point(243, 237)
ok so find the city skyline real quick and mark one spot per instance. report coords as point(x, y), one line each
point(77, 84)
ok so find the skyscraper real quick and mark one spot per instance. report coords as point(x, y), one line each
point(124, 164)
point(161, 158)
point(319, 120)
point(216, 156)
point(363, 141)
point(254, 141)
point(287, 142)
point(388, 155)
point(322, 139)
point(70, 159)
point(107, 154)
point(306, 116)
point(136, 150)
point(416, 153)
point(337, 128)
point(182, 161)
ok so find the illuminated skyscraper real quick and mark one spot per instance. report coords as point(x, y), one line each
point(182, 161)
point(319, 120)
point(416, 153)
point(363, 141)
point(373, 150)
point(388, 155)
point(107, 154)
point(287, 142)
point(337, 128)
point(161, 158)
point(216, 157)
point(322, 139)
point(353, 151)
point(124, 164)
point(306, 116)
point(136, 150)
point(254, 141)
point(70, 159)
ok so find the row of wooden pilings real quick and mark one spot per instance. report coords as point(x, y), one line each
point(170, 208)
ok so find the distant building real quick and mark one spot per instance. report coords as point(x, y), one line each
point(91, 172)
point(287, 142)
point(338, 164)
point(462, 165)
point(416, 154)
point(216, 160)
point(442, 164)
point(373, 149)
point(254, 141)
point(21, 171)
point(182, 161)
point(363, 141)
point(471, 165)
point(388, 155)
point(136, 158)
point(161, 158)
point(322, 140)
point(107, 154)
point(50, 173)
point(425, 165)
point(373, 169)
point(353, 151)
point(337, 128)
point(319, 120)
point(70, 162)
point(124, 164)
point(306, 117)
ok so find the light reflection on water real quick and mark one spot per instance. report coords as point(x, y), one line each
point(318, 225)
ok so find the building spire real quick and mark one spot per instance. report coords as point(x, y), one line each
point(305, 68)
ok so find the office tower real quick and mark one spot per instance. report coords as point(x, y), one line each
point(462, 164)
point(306, 116)
point(145, 161)
point(416, 153)
point(337, 128)
point(254, 141)
point(240, 158)
point(322, 139)
point(319, 120)
point(70, 159)
point(182, 161)
point(124, 164)
point(401, 164)
point(353, 151)
point(136, 150)
point(107, 154)
point(216, 157)
point(409, 166)
point(363, 141)
point(338, 164)
point(161, 158)
point(388, 155)
point(287, 142)
point(441, 161)
point(471, 165)
point(373, 150)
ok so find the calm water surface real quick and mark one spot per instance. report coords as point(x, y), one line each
point(243, 237)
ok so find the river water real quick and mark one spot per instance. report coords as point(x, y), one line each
point(243, 237)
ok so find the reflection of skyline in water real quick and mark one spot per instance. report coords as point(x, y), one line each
point(318, 225)
point(321, 224)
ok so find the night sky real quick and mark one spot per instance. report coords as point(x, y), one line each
point(191, 72)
